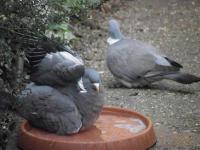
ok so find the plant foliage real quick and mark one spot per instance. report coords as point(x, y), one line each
point(23, 20)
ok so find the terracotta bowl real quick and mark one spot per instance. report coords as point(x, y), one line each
point(116, 129)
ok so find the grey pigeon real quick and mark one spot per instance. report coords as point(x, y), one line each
point(53, 64)
point(90, 102)
point(63, 111)
point(136, 64)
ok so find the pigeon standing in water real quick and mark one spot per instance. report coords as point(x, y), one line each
point(90, 101)
point(63, 110)
point(137, 64)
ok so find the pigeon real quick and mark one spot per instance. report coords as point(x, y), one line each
point(62, 110)
point(136, 64)
point(53, 64)
point(48, 62)
point(90, 102)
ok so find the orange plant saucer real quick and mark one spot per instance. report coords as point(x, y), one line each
point(116, 129)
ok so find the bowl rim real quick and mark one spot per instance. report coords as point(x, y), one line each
point(146, 120)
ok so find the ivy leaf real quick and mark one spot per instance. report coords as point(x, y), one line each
point(60, 32)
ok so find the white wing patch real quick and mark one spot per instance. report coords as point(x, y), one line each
point(162, 61)
point(49, 56)
point(71, 57)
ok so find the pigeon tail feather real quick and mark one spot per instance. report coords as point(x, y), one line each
point(179, 77)
point(183, 78)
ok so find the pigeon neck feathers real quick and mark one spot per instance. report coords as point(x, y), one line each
point(91, 80)
point(111, 40)
point(114, 31)
point(81, 86)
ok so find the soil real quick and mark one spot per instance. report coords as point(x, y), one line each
point(173, 26)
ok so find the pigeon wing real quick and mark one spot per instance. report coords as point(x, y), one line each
point(48, 109)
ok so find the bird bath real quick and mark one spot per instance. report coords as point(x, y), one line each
point(116, 129)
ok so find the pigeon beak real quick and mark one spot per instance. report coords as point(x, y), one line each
point(97, 86)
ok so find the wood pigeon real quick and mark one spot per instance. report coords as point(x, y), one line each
point(136, 64)
point(64, 97)
point(53, 64)
point(63, 110)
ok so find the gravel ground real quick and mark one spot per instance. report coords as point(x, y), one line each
point(173, 26)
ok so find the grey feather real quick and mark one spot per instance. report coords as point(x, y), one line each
point(57, 69)
point(135, 63)
point(89, 103)
point(181, 77)
point(46, 108)
point(52, 63)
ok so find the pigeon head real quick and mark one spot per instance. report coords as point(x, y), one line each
point(114, 31)
point(91, 79)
